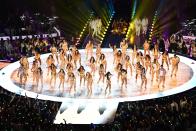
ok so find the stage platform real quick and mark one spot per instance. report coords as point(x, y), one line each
point(79, 108)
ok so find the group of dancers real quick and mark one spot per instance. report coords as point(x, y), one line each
point(65, 64)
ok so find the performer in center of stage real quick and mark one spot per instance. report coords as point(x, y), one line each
point(108, 82)
point(81, 72)
point(89, 49)
point(61, 75)
point(162, 73)
point(175, 60)
point(89, 84)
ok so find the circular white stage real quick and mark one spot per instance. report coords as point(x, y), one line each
point(185, 80)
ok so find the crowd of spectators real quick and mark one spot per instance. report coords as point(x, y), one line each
point(18, 111)
point(13, 49)
point(27, 24)
point(171, 113)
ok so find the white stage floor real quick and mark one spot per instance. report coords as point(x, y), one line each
point(90, 105)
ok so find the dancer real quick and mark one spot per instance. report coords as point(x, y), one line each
point(118, 58)
point(22, 74)
point(72, 82)
point(62, 59)
point(146, 48)
point(61, 75)
point(123, 46)
point(101, 73)
point(49, 62)
point(134, 53)
point(108, 82)
point(53, 50)
point(118, 70)
point(128, 64)
point(98, 53)
point(24, 61)
point(89, 49)
point(69, 70)
point(139, 58)
point(115, 50)
point(70, 59)
point(102, 60)
point(39, 76)
point(53, 74)
point(162, 73)
point(89, 82)
point(64, 46)
point(138, 70)
point(34, 69)
point(175, 60)
point(81, 72)
point(143, 77)
point(147, 62)
point(155, 66)
point(156, 52)
point(123, 78)
point(92, 65)
point(76, 58)
point(73, 50)
point(37, 57)
point(165, 58)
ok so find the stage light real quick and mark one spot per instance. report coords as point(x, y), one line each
point(152, 26)
point(132, 39)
